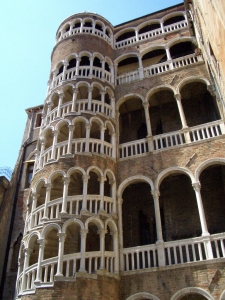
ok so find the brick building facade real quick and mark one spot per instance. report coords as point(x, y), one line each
point(122, 171)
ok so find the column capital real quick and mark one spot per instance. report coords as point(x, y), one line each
point(28, 251)
point(62, 236)
point(145, 105)
point(43, 141)
point(41, 242)
point(120, 200)
point(196, 186)
point(71, 127)
point(48, 186)
point(102, 232)
point(75, 89)
point(102, 92)
point(177, 97)
point(102, 127)
point(111, 182)
point(55, 132)
point(35, 195)
point(85, 178)
point(87, 126)
point(66, 180)
point(90, 89)
point(83, 232)
point(102, 179)
point(155, 193)
point(60, 94)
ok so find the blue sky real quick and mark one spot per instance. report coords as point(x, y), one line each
point(27, 36)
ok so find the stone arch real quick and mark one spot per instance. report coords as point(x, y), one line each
point(173, 14)
point(172, 170)
point(222, 296)
point(96, 221)
point(142, 295)
point(95, 169)
point(132, 179)
point(108, 171)
point(71, 221)
point(126, 55)
point(98, 55)
point(152, 48)
point(123, 31)
point(71, 170)
point(150, 22)
point(127, 97)
point(77, 20)
point(37, 233)
point(191, 290)
point(207, 163)
point(61, 123)
point(157, 89)
point(48, 228)
point(54, 174)
point(189, 80)
point(70, 56)
point(79, 119)
point(85, 53)
point(181, 40)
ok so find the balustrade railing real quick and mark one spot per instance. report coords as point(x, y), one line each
point(133, 148)
point(218, 245)
point(37, 215)
point(186, 60)
point(156, 69)
point(151, 34)
point(71, 264)
point(206, 131)
point(168, 140)
point(48, 270)
point(127, 77)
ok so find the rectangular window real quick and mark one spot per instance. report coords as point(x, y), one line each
point(38, 120)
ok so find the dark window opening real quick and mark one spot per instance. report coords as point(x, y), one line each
point(96, 62)
point(85, 61)
point(88, 24)
point(15, 254)
point(125, 36)
point(174, 20)
point(76, 25)
point(38, 120)
point(107, 67)
point(182, 49)
point(72, 64)
point(67, 29)
point(149, 27)
point(30, 169)
point(128, 61)
point(99, 27)
point(60, 70)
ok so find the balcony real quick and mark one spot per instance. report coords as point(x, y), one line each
point(175, 252)
point(151, 34)
point(160, 68)
point(173, 139)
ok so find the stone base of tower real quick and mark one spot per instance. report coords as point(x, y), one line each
point(85, 286)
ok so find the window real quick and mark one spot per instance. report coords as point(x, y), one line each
point(30, 168)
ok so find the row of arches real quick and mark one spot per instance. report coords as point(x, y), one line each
point(80, 97)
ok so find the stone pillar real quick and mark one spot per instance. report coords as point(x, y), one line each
point(141, 73)
point(149, 129)
point(91, 66)
point(83, 233)
point(62, 237)
point(27, 251)
point(116, 250)
point(113, 195)
point(113, 81)
point(103, 69)
point(43, 141)
point(75, 91)
point(64, 71)
point(89, 98)
point(85, 185)
point(40, 258)
point(102, 180)
point(197, 187)
point(103, 101)
point(136, 35)
point(169, 58)
point(115, 73)
point(181, 111)
point(69, 148)
point(162, 27)
point(113, 141)
point(102, 138)
point(47, 199)
point(49, 104)
point(88, 128)
point(66, 181)
point(120, 230)
point(55, 133)
point(112, 103)
point(159, 243)
point(102, 248)
point(81, 26)
point(59, 105)
point(77, 64)
point(34, 205)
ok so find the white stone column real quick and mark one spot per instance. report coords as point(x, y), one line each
point(112, 103)
point(169, 58)
point(83, 234)
point(140, 69)
point(117, 133)
point(59, 105)
point(197, 187)
point(120, 231)
point(27, 252)
point(181, 111)
point(103, 69)
point(102, 101)
point(89, 97)
point(41, 243)
point(75, 91)
point(113, 195)
point(162, 27)
point(149, 129)
point(113, 141)
point(66, 181)
point(116, 250)
point(47, 199)
point(71, 128)
point(34, 205)
point(102, 180)
point(81, 26)
point(136, 35)
point(49, 104)
point(88, 128)
point(64, 70)
point(91, 66)
point(102, 138)
point(55, 133)
point(43, 141)
point(115, 73)
point(77, 65)
point(102, 233)
point(62, 237)
point(112, 75)
point(159, 243)
point(85, 185)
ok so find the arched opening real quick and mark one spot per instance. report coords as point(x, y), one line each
point(127, 65)
point(109, 242)
point(93, 238)
point(55, 101)
point(107, 187)
point(178, 208)
point(107, 98)
point(182, 49)
point(79, 130)
point(88, 23)
point(132, 120)
point(138, 215)
point(34, 246)
point(63, 133)
point(96, 94)
point(76, 184)
point(107, 32)
point(125, 35)
point(84, 61)
point(154, 57)
point(149, 27)
point(193, 296)
point(163, 111)
point(98, 26)
point(95, 131)
point(51, 244)
point(67, 94)
point(48, 138)
point(72, 241)
point(41, 193)
point(173, 20)
point(97, 62)
point(107, 135)
point(212, 181)
point(72, 63)
point(76, 24)
point(93, 184)
point(107, 67)
point(67, 28)
point(56, 187)
point(82, 94)
point(198, 104)
point(60, 69)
